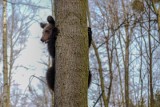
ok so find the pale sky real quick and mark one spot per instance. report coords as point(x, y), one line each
point(31, 55)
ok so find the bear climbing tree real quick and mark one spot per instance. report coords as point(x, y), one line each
point(49, 36)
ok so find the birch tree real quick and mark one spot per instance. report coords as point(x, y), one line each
point(6, 93)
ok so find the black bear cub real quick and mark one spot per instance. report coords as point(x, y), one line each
point(49, 36)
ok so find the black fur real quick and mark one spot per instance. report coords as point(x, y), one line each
point(52, 43)
point(89, 36)
point(50, 75)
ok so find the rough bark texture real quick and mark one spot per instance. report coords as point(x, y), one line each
point(6, 96)
point(71, 54)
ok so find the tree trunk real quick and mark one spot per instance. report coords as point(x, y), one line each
point(100, 75)
point(71, 54)
point(11, 58)
point(120, 78)
point(6, 96)
point(126, 69)
point(150, 62)
point(126, 58)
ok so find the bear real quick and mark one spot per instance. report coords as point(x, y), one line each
point(49, 36)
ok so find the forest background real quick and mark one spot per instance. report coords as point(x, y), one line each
point(124, 57)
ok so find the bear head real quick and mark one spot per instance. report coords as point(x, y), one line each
point(47, 29)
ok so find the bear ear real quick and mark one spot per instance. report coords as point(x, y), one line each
point(51, 20)
point(43, 25)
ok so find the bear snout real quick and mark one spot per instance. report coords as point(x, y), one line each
point(42, 40)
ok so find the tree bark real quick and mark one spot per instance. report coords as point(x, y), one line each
point(126, 69)
point(71, 54)
point(6, 96)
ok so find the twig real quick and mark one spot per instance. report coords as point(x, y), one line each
point(98, 99)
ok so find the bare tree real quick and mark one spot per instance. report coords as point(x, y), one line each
point(101, 75)
point(124, 58)
point(6, 93)
point(71, 54)
point(40, 95)
point(17, 34)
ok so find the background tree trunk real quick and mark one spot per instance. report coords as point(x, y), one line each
point(150, 61)
point(71, 54)
point(6, 95)
point(104, 97)
point(126, 58)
